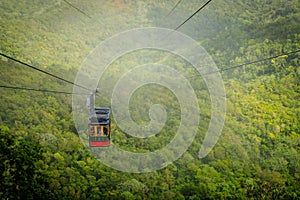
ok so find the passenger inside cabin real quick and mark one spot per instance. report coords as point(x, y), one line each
point(92, 130)
point(105, 130)
point(99, 131)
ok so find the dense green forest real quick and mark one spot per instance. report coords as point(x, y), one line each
point(258, 153)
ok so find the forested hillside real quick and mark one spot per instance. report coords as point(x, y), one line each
point(257, 155)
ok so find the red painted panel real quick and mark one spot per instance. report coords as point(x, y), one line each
point(100, 144)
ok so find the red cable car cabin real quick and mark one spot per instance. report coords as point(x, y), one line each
point(99, 133)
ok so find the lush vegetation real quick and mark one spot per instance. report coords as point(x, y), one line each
point(258, 153)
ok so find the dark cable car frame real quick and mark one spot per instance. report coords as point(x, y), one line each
point(99, 126)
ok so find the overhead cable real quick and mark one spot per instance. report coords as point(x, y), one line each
point(249, 63)
point(43, 71)
point(67, 2)
point(190, 17)
point(178, 2)
point(39, 90)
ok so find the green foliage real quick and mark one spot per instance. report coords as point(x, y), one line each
point(19, 175)
point(257, 155)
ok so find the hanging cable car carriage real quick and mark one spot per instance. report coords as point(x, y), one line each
point(99, 128)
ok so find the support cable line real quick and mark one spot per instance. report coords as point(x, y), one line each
point(43, 71)
point(67, 2)
point(248, 63)
point(39, 90)
point(178, 2)
point(190, 17)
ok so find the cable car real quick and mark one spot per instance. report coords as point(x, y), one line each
point(99, 126)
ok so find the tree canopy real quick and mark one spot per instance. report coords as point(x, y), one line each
point(257, 155)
